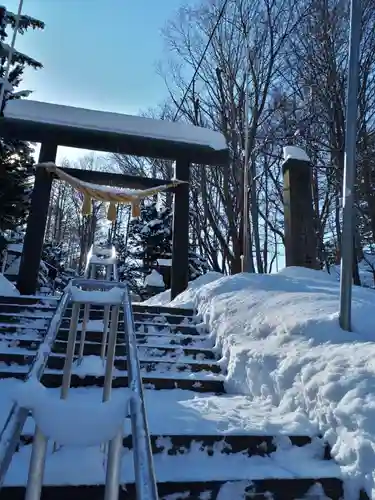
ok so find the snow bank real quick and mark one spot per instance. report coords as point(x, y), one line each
point(83, 422)
point(6, 287)
point(281, 343)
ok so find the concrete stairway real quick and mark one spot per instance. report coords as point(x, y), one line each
point(175, 354)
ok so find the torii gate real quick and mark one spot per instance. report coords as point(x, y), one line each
point(55, 125)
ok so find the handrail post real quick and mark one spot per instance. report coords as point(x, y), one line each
point(111, 353)
point(112, 480)
point(107, 309)
point(67, 374)
point(69, 356)
point(85, 320)
point(4, 260)
point(37, 466)
point(112, 483)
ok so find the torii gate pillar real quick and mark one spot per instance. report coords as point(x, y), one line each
point(180, 241)
point(36, 223)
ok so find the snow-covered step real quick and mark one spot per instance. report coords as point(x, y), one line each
point(163, 310)
point(188, 329)
point(142, 326)
point(18, 356)
point(149, 360)
point(176, 364)
point(165, 319)
point(97, 314)
point(61, 467)
point(30, 339)
point(195, 344)
point(257, 489)
point(29, 299)
point(156, 349)
point(23, 327)
point(183, 412)
point(27, 308)
point(28, 342)
point(155, 310)
point(200, 442)
point(211, 445)
point(199, 382)
point(197, 341)
point(185, 469)
point(164, 337)
point(196, 415)
point(29, 314)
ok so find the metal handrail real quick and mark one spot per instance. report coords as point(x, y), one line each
point(11, 432)
point(146, 486)
point(88, 258)
point(38, 455)
point(145, 480)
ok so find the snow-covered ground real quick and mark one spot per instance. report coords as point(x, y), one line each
point(282, 346)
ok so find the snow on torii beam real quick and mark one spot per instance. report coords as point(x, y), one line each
point(112, 132)
point(53, 125)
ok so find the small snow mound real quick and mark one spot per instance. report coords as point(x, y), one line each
point(186, 299)
point(83, 422)
point(154, 279)
point(93, 325)
point(234, 490)
point(89, 365)
point(7, 289)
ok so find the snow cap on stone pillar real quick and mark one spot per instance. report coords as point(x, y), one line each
point(295, 153)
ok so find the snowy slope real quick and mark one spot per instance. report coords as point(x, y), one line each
point(282, 346)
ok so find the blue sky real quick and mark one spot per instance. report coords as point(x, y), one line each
point(98, 54)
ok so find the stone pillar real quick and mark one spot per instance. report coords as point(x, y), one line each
point(180, 238)
point(36, 223)
point(299, 227)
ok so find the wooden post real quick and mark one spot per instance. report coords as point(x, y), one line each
point(299, 227)
point(36, 224)
point(180, 241)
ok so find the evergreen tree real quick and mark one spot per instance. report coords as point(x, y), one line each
point(52, 272)
point(15, 156)
point(150, 236)
point(149, 240)
point(126, 266)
